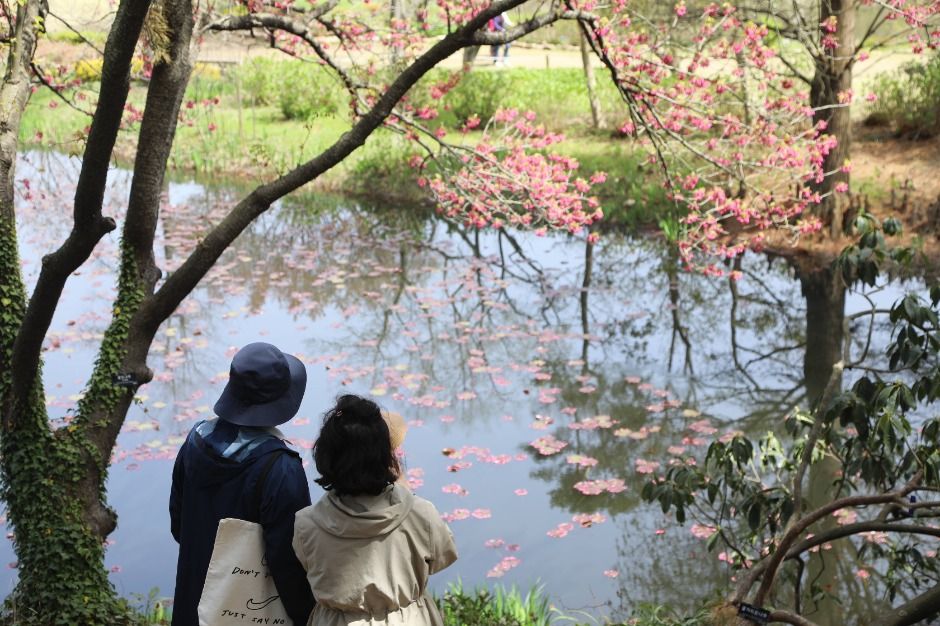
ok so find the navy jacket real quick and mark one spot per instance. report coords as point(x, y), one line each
point(209, 485)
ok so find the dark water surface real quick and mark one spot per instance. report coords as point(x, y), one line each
point(485, 342)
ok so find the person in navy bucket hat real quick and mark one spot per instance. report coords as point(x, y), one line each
point(225, 461)
point(265, 387)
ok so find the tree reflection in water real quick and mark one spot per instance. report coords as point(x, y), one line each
point(442, 323)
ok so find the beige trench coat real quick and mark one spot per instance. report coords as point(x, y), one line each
point(368, 558)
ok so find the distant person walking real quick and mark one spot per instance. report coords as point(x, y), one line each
point(499, 24)
point(221, 463)
point(369, 545)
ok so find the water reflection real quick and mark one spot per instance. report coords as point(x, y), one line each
point(487, 342)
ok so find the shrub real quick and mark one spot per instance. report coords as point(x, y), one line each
point(479, 93)
point(259, 80)
point(306, 91)
point(908, 100)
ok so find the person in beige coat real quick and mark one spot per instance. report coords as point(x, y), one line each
point(369, 545)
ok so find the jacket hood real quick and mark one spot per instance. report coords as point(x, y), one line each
point(363, 516)
point(207, 466)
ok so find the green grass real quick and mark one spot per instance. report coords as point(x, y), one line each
point(255, 128)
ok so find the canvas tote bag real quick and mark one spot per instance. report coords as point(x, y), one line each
point(239, 588)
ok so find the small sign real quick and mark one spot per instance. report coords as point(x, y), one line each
point(753, 614)
point(125, 379)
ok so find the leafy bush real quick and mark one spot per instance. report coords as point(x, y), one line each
point(260, 80)
point(479, 93)
point(300, 89)
point(500, 607)
point(544, 92)
point(908, 100)
point(306, 91)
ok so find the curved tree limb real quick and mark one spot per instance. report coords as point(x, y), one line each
point(183, 280)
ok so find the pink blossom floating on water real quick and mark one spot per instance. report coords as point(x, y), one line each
point(455, 515)
point(611, 573)
point(643, 433)
point(703, 427)
point(586, 520)
point(506, 564)
point(581, 461)
point(481, 514)
point(700, 531)
point(643, 466)
point(548, 445)
point(561, 530)
point(862, 574)
point(542, 422)
point(455, 489)
point(494, 543)
point(415, 478)
point(592, 423)
point(521, 492)
point(633, 380)
point(595, 487)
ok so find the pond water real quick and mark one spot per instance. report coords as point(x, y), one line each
point(544, 382)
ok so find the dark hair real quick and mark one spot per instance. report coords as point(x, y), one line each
point(354, 452)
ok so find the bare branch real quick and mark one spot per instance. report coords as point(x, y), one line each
point(286, 24)
point(41, 77)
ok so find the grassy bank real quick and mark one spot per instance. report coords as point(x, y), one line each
point(255, 121)
point(495, 606)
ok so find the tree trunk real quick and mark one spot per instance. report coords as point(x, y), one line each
point(833, 75)
point(825, 312)
point(590, 80)
point(470, 56)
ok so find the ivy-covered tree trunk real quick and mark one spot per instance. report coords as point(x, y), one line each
point(53, 478)
point(833, 78)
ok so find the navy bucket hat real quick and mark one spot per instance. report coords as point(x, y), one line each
point(265, 387)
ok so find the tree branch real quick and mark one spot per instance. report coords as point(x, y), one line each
point(787, 617)
point(181, 282)
point(89, 226)
point(286, 24)
point(914, 611)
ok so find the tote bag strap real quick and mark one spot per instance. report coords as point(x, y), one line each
point(263, 478)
